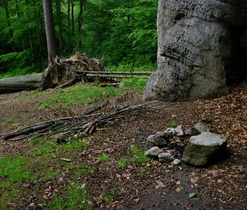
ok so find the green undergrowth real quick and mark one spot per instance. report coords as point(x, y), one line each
point(12, 123)
point(12, 173)
point(82, 93)
point(87, 93)
point(129, 67)
point(48, 160)
point(19, 72)
point(133, 155)
point(75, 197)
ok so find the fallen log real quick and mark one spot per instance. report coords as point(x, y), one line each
point(19, 83)
point(32, 82)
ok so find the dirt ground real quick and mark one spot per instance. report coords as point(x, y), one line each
point(222, 185)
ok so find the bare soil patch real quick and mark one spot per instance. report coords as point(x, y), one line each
point(222, 185)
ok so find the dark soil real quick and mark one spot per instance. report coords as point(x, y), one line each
point(222, 185)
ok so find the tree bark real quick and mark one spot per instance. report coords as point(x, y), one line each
point(60, 28)
point(5, 4)
point(50, 30)
point(80, 22)
point(19, 83)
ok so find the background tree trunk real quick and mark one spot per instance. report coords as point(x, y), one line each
point(50, 30)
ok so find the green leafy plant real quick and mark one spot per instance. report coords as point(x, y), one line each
point(191, 195)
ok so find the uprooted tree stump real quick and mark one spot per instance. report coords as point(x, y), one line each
point(66, 72)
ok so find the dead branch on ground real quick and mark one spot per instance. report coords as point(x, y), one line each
point(83, 124)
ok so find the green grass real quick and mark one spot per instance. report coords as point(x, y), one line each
point(122, 162)
point(34, 140)
point(171, 124)
point(44, 163)
point(128, 67)
point(103, 157)
point(81, 94)
point(109, 196)
point(134, 83)
point(12, 122)
point(75, 197)
point(138, 155)
point(8, 121)
point(13, 171)
point(82, 171)
point(10, 195)
point(74, 144)
point(87, 93)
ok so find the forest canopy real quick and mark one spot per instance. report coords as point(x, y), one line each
point(121, 33)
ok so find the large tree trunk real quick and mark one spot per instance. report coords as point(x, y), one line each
point(19, 83)
point(49, 30)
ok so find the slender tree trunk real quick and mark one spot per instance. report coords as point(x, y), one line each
point(69, 27)
point(82, 4)
point(30, 36)
point(40, 29)
point(59, 17)
point(72, 18)
point(6, 8)
point(50, 30)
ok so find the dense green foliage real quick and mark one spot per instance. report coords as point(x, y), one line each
point(121, 33)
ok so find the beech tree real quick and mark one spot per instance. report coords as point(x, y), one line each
point(49, 30)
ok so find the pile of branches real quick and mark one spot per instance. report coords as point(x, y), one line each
point(65, 128)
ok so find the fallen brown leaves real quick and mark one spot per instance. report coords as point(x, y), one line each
point(155, 185)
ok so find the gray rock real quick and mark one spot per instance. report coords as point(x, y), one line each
point(155, 140)
point(149, 142)
point(170, 132)
point(163, 134)
point(179, 131)
point(201, 49)
point(201, 128)
point(165, 157)
point(201, 150)
point(176, 161)
point(196, 130)
point(154, 151)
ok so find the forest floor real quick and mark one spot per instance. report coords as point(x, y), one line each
point(153, 186)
